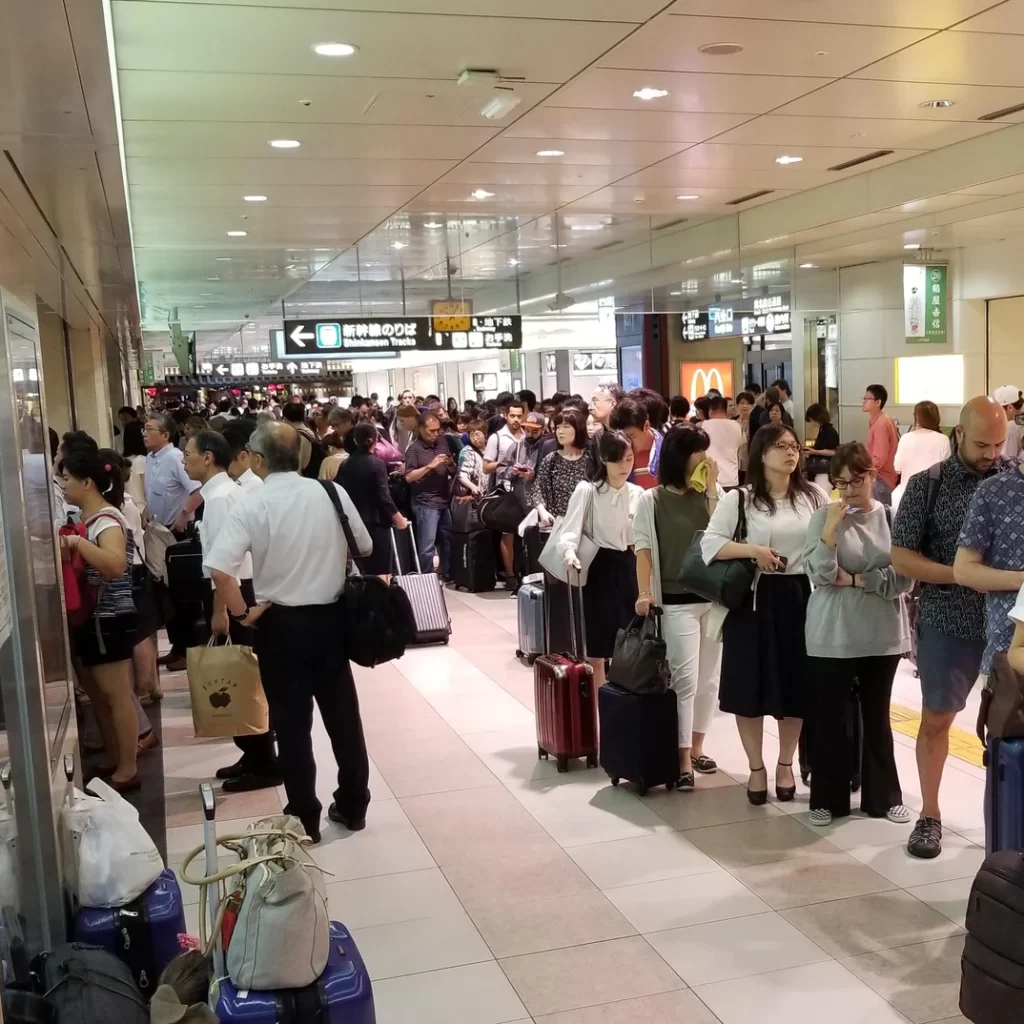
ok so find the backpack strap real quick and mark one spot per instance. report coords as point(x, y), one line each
point(332, 493)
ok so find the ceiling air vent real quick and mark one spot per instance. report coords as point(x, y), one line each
point(998, 115)
point(672, 223)
point(607, 245)
point(858, 160)
point(749, 196)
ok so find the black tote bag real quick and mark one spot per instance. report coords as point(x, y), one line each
point(727, 582)
point(640, 659)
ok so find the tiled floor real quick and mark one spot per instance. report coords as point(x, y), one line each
point(487, 888)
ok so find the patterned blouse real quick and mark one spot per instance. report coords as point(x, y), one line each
point(557, 479)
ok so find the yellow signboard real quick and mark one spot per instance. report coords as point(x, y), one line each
point(452, 314)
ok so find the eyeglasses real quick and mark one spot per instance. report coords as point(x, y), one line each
point(842, 485)
point(787, 448)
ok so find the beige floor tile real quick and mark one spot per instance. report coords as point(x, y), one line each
point(360, 855)
point(706, 953)
point(643, 859)
point(680, 1007)
point(703, 808)
point(745, 843)
point(550, 923)
point(948, 898)
point(853, 831)
point(960, 858)
point(867, 924)
point(680, 902)
point(440, 774)
point(600, 972)
point(921, 981)
point(811, 879)
point(389, 899)
point(534, 873)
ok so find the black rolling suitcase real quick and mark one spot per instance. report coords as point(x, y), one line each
point(639, 737)
point(473, 560)
point(526, 553)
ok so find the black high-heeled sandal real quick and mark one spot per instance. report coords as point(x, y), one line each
point(758, 796)
point(784, 793)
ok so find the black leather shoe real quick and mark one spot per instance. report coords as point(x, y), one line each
point(784, 793)
point(232, 771)
point(757, 796)
point(246, 783)
point(352, 824)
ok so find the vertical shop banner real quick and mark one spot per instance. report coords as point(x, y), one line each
point(924, 303)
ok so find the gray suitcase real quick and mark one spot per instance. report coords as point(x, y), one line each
point(530, 601)
point(426, 595)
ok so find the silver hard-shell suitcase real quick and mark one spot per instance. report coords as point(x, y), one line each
point(426, 595)
point(530, 606)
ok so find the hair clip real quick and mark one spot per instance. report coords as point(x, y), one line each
point(106, 466)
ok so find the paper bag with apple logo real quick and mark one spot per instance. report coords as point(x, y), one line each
point(227, 695)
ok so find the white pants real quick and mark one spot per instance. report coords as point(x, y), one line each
point(695, 663)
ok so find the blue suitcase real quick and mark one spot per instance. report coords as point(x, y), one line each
point(143, 934)
point(639, 736)
point(1004, 795)
point(530, 610)
point(341, 996)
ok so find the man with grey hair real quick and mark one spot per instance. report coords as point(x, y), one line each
point(299, 552)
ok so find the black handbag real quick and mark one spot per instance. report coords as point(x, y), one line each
point(640, 659)
point(727, 582)
point(505, 507)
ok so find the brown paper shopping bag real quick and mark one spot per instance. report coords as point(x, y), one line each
point(227, 695)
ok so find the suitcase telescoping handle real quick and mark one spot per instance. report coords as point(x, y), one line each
point(209, 805)
point(579, 651)
point(394, 549)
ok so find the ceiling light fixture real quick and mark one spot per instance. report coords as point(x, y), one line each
point(335, 49)
point(687, 197)
point(255, 199)
point(237, 234)
point(937, 104)
point(481, 193)
point(808, 266)
point(433, 224)
point(648, 93)
point(285, 143)
point(560, 245)
point(786, 159)
point(213, 279)
point(399, 245)
point(550, 152)
point(638, 199)
point(514, 262)
point(223, 259)
point(720, 49)
point(912, 245)
point(821, 53)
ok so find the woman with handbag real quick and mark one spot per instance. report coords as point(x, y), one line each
point(562, 470)
point(598, 530)
point(666, 520)
point(764, 657)
point(856, 630)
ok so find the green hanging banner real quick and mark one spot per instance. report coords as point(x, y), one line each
point(924, 303)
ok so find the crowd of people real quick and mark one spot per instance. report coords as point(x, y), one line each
point(860, 554)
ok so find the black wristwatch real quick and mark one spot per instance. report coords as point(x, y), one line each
point(244, 615)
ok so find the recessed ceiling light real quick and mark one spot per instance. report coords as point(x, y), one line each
point(821, 53)
point(399, 245)
point(335, 49)
point(675, 293)
point(586, 227)
point(237, 234)
point(481, 193)
point(255, 199)
point(550, 152)
point(786, 159)
point(433, 224)
point(208, 295)
point(720, 49)
point(513, 263)
point(213, 279)
point(937, 104)
point(912, 245)
point(560, 245)
point(647, 93)
point(638, 199)
point(285, 143)
point(223, 259)
point(808, 266)
point(687, 197)
point(199, 307)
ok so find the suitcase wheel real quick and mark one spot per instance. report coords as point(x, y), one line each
point(591, 760)
point(615, 781)
point(446, 639)
point(531, 658)
point(519, 654)
point(563, 764)
point(542, 753)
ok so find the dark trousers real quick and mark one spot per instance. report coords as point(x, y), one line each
point(832, 757)
point(302, 659)
point(258, 752)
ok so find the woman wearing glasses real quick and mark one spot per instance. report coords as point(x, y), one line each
point(856, 629)
point(764, 660)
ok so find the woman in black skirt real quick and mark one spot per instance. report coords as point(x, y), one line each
point(602, 510)
point(365, 478)
point(764, 658)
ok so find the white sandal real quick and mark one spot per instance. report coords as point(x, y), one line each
point(821, 817)
point(899, 814)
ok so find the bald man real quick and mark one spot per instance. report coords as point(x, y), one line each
point(951, 617)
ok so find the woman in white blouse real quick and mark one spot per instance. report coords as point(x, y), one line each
point(919, 449)
point(764, 657)
point(603, 511)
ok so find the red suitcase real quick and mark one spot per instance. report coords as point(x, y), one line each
point(564, 701)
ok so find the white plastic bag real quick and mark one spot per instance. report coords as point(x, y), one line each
point(113, 859)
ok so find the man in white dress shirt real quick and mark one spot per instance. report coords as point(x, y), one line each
point(290, 528)
point(237, 433)
point(207, 457)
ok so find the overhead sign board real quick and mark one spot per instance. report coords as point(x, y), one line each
point(253, 374)
point(924, 303)
point(325, 339)
point(695, 325)
point(722, 322)
point(771, 316)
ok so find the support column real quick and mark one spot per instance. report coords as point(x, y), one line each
point(92, 389)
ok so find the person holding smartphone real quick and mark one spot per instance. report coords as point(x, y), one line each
point(429, 471)
point(764, 656)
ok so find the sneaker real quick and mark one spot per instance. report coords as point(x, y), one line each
point(899, 814)
point(685, 782)
point(705, 765)
point(821, 817)
point(926, 839)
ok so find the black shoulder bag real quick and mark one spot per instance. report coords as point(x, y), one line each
point(727, 581)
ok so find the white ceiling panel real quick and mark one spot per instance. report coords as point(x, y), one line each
point(165, 36)
point(814, 158)
point(455, 197)
point(857, 97)
point(908, 13)
point(610, 89)
point(998, 187)
point(664, 201)
point(621, 125)
point(775, 129)
point(206, 140)
point(1006, 18)
point(975, 57)
point(284, 197)
point(769, 47)
point(550, 173)
point(577, 151)
point(223, 96)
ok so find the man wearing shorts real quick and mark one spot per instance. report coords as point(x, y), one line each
point(951, 618)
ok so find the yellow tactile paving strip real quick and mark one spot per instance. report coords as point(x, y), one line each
point(963, 745)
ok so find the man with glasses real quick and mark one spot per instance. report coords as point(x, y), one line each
point(171, 499)
point(951, 618)
point(429, 469)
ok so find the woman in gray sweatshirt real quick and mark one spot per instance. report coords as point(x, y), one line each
point(856, 630)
